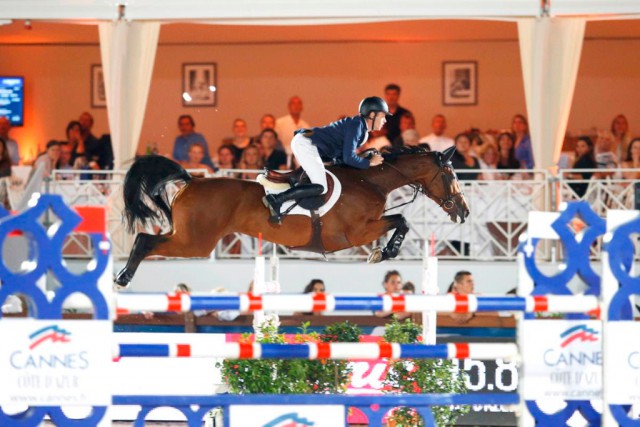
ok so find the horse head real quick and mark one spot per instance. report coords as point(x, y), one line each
point(433, 173)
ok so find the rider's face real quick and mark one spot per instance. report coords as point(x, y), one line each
point(378, 121)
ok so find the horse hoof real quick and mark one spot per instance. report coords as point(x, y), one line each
point(122, 280)
point(375, 256)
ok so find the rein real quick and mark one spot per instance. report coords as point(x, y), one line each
point(447, 204)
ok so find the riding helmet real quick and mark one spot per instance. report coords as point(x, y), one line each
point(373, 104)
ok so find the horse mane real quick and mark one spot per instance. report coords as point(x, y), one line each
point(392, 153)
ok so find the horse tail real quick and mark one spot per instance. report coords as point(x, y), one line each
point(148, 177)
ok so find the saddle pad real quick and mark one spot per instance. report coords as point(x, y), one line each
point(333, 198)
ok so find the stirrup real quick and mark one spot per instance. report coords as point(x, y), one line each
point(275, 217)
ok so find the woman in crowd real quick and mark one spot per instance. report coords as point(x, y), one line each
point(196, 154)
point(251, 160)
point(462, 158)
point(506, 153)
point(522, 142)
point(226, 160)
point(621, 135)
point(314, 286)
point(488, 161)
point(585, 159)
point(272, 157)
point(48, 160)
point(632, 160)
point(240, 140)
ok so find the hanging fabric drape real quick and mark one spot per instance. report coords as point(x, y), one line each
point(128, 52)
point(550, 52)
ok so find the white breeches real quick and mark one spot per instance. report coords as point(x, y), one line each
point(308, 157)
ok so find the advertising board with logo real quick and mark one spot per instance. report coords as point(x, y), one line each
point(55, 362)
point(563, 359)
point(287, 416)
point(623, 363)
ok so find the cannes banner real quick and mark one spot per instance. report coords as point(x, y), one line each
point(55, 362)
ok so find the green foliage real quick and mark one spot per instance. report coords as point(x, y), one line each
point(421, 376)
point(292, 376)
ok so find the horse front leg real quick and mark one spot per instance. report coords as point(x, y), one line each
point(143, 244)
point(392, 248)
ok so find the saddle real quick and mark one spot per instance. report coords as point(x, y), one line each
point(275, 181)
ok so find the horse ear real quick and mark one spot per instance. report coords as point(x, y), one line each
point(446, 154)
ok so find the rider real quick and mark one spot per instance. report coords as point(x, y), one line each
point(337, 141)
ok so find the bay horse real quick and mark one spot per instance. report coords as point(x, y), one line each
point(207, 209)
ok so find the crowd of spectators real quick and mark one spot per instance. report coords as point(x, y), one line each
point(503, 154)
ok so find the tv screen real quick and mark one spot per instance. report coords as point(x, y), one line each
point(12, 99)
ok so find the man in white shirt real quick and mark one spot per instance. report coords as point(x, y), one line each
point(287, 125)
point(437, 140)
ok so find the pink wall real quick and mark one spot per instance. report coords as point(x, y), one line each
point(330, 77)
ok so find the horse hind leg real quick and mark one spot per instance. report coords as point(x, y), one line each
point(142, 246)
point(393, 246)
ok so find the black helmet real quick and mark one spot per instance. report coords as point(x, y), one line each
point(373, 104)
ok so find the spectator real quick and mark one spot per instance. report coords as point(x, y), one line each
point(76, 142)
point(392, 284)
point(239, 141)
point(251, 160)
point(437, 139)
point(488, 160)
point(273, 158)
point(605, 157)
point(462, 285)
point(522, 143)
point(476, 141)
point(407, 122)
point(64, 163)
point(392, 96)
point(462, 158)
point(96, 150)
point(621, 135)
point(12, 144)
point(226, 160)
point(196, 155)
point(585, 159)
point(180, 288)
point(411, 138)
point(632, 160)
point(268, 121)
point(187, 137)
point(314, 286)
point(5, 160)
point(409, 288)
point(287, 125)
point(506, 153)
point(48, 159)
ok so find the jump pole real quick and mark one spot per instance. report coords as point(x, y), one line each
point(429, 287)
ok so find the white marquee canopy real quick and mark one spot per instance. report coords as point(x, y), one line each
point(550, 36)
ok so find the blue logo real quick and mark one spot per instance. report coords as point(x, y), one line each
point(290, 420)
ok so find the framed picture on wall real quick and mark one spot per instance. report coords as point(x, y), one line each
point(460, 83)
point(199, 85)
point(98, 91)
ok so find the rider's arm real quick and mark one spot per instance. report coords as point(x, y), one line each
point(353, 136)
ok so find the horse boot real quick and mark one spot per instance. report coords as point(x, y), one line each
point(274, 201)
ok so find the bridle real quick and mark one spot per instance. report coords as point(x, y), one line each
point(448, 203)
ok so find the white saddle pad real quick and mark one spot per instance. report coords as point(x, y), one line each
point(272, 188)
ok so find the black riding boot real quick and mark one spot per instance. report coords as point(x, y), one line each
point(275, 201)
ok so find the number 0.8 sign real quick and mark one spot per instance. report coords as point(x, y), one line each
point(489, 375)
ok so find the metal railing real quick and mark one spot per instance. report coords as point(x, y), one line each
point(499, 211)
